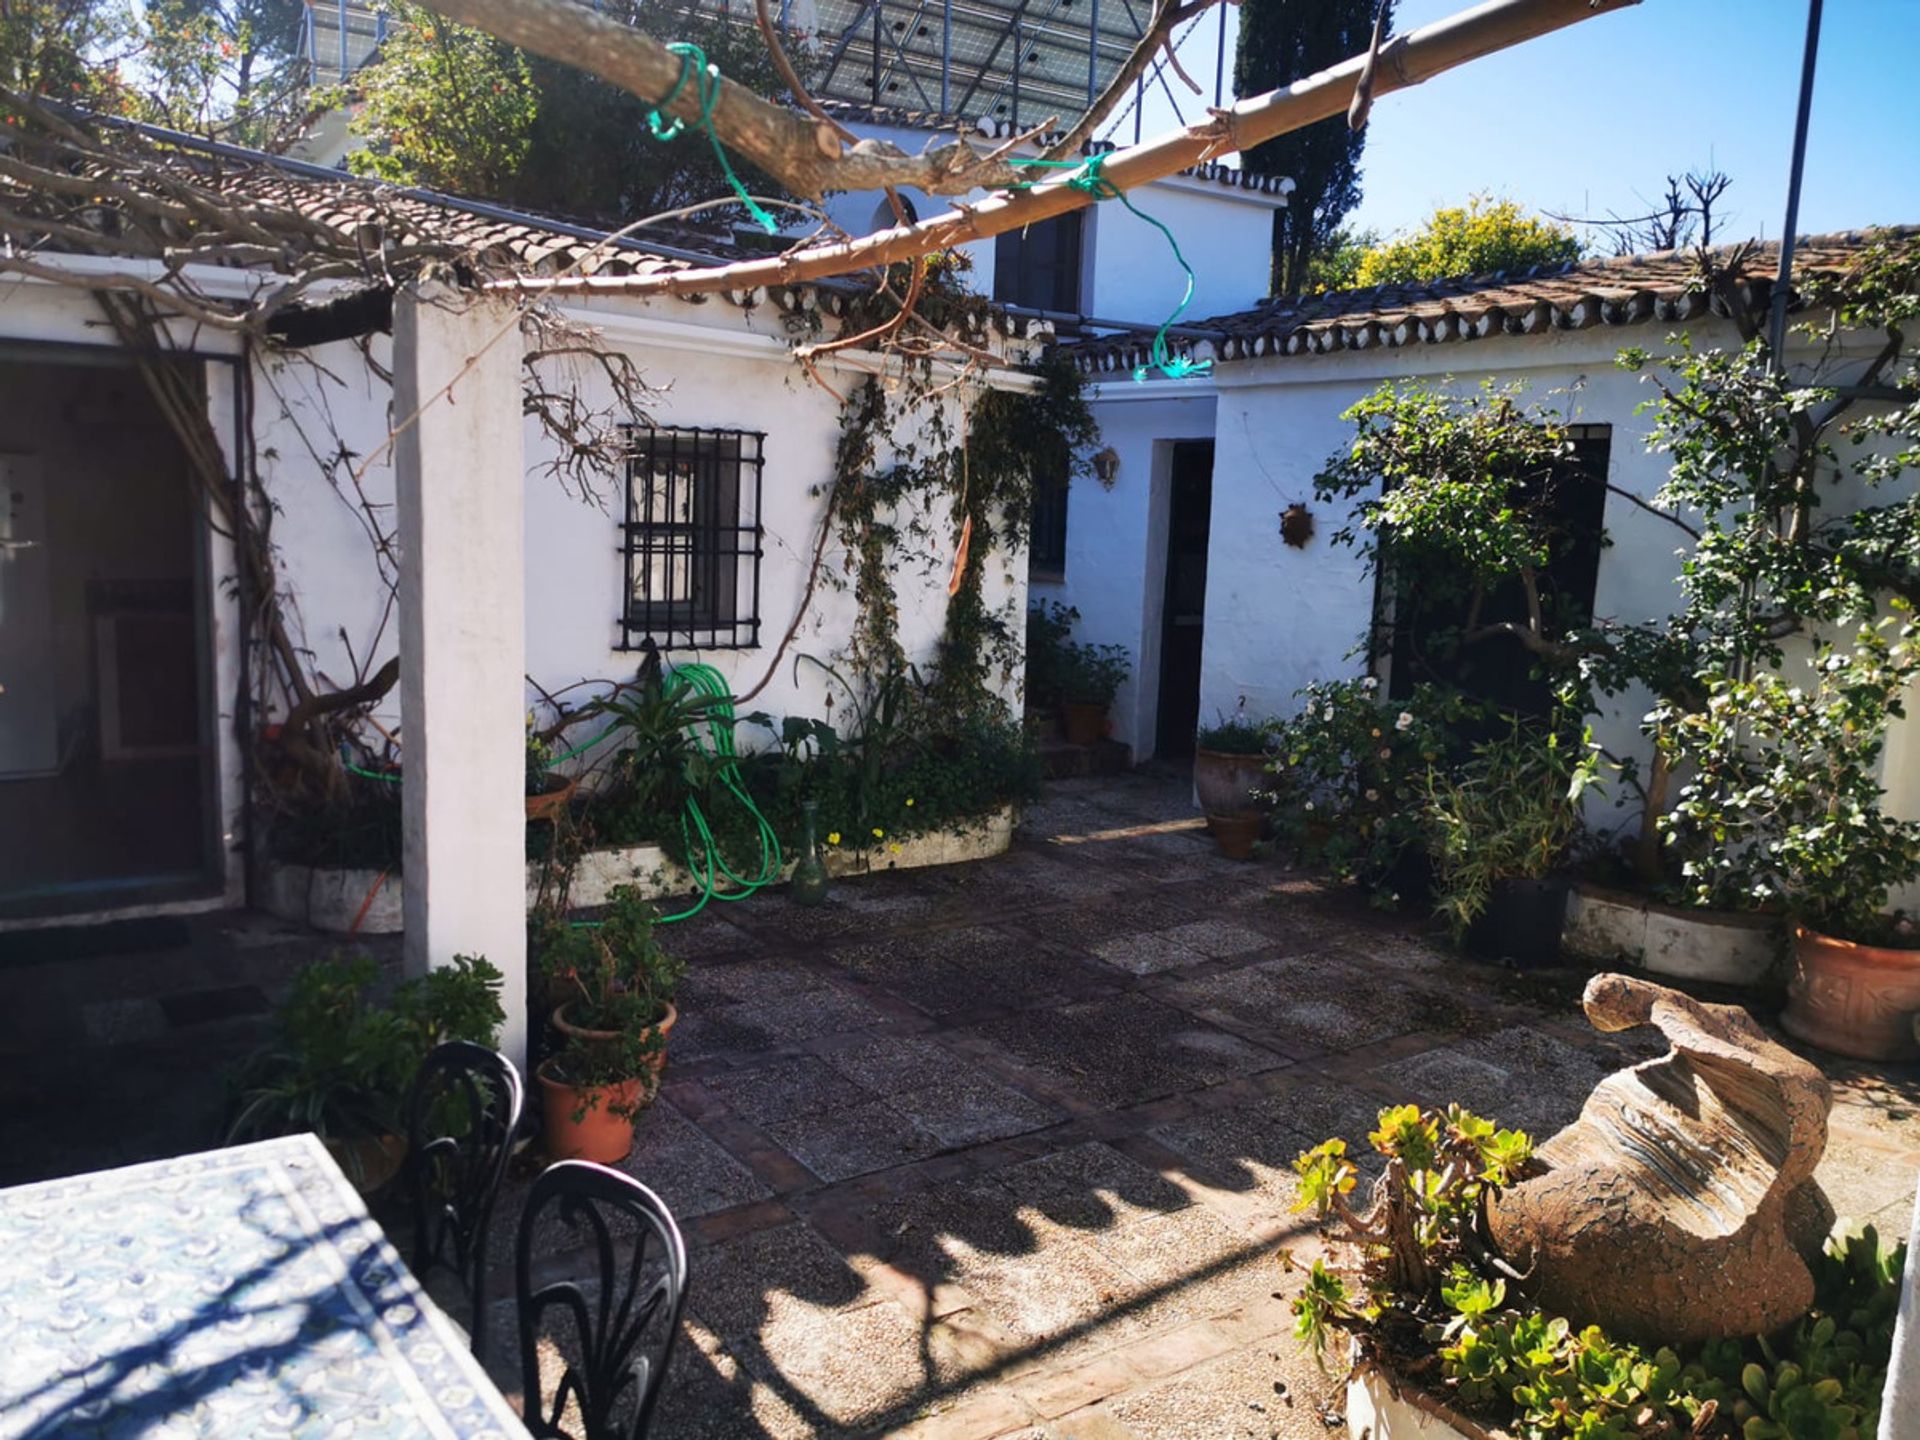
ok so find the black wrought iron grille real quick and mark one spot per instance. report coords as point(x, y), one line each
point(693, 539)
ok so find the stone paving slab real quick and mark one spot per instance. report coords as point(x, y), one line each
point(1002, 1149)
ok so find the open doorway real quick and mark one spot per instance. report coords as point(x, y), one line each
point(1183, 613)
point(107, 771)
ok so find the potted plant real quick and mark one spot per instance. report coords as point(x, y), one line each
point(611, 986)
point(1229, 765)
point(547, 793)
point(1093, 676)
point(340, 1063)
point(1786, 811)
point(1501, 825)
point(1443, 1340)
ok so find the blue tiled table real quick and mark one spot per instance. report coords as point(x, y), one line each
point(242, 1292)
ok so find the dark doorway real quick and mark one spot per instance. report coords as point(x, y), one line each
point(106, 755)
point(1189, 514)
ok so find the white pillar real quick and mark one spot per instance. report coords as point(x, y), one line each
point(462, 526)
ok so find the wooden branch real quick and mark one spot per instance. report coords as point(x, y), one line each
point(807, 156)
point(1406, 61)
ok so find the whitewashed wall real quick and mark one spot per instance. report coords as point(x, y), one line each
point(1116, 538)
point(711, 366)
point(1127, 270)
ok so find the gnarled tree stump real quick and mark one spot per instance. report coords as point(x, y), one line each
point(1680, 1206)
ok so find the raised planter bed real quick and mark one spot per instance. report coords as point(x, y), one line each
point(1615, 925)
point(1380, 1408)
point(329, 898)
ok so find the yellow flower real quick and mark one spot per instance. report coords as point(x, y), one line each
point(893, 849)
point(909, 802)
point(833, 837)
point(878, 833)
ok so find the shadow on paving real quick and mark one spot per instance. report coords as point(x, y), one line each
point(1005, 1149)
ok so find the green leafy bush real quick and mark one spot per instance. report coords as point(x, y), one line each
point(1478, 238)
point(1509, 813)
point(1236, 736)
point(1350, 773)
point(1062, 670)
point(341, 1061)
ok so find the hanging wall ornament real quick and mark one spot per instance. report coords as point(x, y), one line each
point(1296, 525)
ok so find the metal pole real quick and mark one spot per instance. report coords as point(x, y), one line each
point(1139, 102)
point(343, 40)
point(873, 84)
point(1783, 280)
point(1093, 53)
point(946, 58)
point(1220, 57)
point(1019, 64)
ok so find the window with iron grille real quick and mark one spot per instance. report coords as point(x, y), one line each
point(1047, 546)
point(692, 541)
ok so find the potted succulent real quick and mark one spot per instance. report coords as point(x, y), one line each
point(1229, 765)
point(340, 1063)
point(1786, 812)
point(1444, 1340)
point(1501, 825)
point(612, 990)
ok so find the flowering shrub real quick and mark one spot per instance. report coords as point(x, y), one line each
point(1350, 774)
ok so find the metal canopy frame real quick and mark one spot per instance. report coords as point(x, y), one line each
point(1008, 63)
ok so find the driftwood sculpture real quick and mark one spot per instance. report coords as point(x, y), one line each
point(1680, 1206)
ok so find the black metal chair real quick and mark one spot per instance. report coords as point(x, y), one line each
point(622, 1335)
point(462, 1111)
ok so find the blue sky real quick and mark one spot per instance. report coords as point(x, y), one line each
point(1592, 119)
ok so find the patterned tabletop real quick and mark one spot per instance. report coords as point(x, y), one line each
point(241, 1292)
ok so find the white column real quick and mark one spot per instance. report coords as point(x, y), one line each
point(462, 526)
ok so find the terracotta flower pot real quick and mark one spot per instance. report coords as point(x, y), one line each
point(369, 1161)
point(656, 1062)
point(599, 1133)
point(1084, 724)
point(552, 800)
point(1857, 1000)
point(1224, 783)
point(1236, 834)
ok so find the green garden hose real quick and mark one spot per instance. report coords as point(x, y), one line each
point(718, 744)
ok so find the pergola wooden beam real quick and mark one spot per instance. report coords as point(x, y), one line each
point(1405, 61)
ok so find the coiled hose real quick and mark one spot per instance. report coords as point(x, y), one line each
point(715, 737)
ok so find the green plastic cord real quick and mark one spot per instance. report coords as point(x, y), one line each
point(694, 63)
point(712, 864)
point(1091, 180)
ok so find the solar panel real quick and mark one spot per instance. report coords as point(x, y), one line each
point(1013, 62)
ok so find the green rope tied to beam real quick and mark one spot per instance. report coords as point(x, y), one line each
point(694, 63)
point(1090, 179)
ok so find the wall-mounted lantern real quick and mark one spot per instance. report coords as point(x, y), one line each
point(1106, 466)
point(1296, 525)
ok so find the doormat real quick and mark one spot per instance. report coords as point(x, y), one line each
point(21, 948)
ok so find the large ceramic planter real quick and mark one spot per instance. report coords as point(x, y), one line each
point(369, 1161)
point(1522, 923)
point(1609, 927)
point(1083, 724)
point(1236, 835)
point(1857, 1000)
point(594, 1123)
point(1224, 783)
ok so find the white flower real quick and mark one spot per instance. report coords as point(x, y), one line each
point(1373, 795)
point(1405, 720)
point(1385, 753)
point(1327, 714)
point(1370, 683)
point(1309, 805)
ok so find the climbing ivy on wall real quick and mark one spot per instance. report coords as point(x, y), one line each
point(963, 499)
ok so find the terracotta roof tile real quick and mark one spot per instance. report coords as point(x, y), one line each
point(1621, 290)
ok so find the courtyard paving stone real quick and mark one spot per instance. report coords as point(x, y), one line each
point(997, 1150)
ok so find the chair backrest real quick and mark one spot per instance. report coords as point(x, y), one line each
point(615, 1342)
point(462, 1111)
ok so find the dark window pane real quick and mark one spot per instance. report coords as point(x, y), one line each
point(693, 539)
point(1039, 267)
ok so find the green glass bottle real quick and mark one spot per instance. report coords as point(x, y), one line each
point(809, 884)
